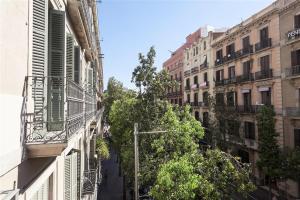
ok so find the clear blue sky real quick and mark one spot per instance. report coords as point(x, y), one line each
point(128, 27)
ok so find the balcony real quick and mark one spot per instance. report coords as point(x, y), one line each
point(229, 57)
point(219, 61)
point(195, 70)
point(248, 108)
point(205, 84)
point(293, 71)
point(263, 74)
point(89, 182)
point(244, 78)
point(293, 34)
point(52, 123)
point(196, 104)
point(187, 88)
point(195, 86)
point(204, 66)
point(245, 51)
point(230, 81)
point(266, 43)
point(187, 73)
point(219, 82)
point(292, 112)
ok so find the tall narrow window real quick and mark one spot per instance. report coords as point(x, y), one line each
point(295, 58)
point(230, 98)
point(266, 97)
point(264, 34)
point(220, 75)
point(246, 43)
point(297, 137)
point(196, 98)
point(204, 45)
point(231, 72)
point(297, 21)
point(195, 79)
point(249, 128)
point(230, 50)
point(205, 77)
point(77, 65)
point(265, 63)
point(188, 98)
point(220, 99)
point(246, 68)
point(247, 99)
point(219, 54)
point(205, 98)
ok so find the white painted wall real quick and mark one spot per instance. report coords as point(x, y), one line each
point(13, 69)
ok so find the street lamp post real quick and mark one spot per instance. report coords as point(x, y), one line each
point(136, 157)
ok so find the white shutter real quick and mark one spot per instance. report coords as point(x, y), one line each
point(43, 192)
point(70, 57)
point(90, 81)
point(74, 176)
point(68, 178)
point(39, 47)
point(77, 67)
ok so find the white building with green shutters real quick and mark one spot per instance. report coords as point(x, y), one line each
point(51, 83)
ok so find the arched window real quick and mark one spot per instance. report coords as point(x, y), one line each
point(187, 83)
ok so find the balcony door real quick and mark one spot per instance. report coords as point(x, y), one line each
point(266, 98)
point(265, 64)
point(197, 117)
point(264, 34)
point(196, 99)
point(247, 100)
point(295, 58)
point(246, 43)
point(246, 68)
point(231, 72)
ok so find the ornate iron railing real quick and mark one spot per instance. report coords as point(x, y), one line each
point(263, 74)
point(89, 181)
point(292, 71)
point(49, 123)
point(263, 44)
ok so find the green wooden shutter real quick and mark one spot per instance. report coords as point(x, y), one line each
point(39, 47)
point(70, 57)
point(56, 55)
point(77, 64)
point(67, 180)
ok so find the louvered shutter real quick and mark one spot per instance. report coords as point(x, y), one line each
point(74, 176)
point(56, 55)
point(42, 193)
point(78, 174)
point(77, 64)
point(68, 178)
point(90, 80)
point(70, 57)
point(39, 46)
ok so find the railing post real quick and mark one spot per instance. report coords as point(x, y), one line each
point(136, 162)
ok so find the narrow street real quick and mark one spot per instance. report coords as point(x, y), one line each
point(111, 187)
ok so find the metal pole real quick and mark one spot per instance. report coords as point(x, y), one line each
point(136, 162)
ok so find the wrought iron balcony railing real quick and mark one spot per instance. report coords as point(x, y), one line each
point(204, 65)
point(248, 108)
point(219, 82)
point(89, 181)
point(229, 57)
point(219, 61)
point(263, 74)
point(245, 51)
point(187, 88)
point(230, 81)
point(48, 122)
point(263, 44)
point(187, 73)
point(195, 70)
point(293, 71)
point(244, 78)
point(292, 111)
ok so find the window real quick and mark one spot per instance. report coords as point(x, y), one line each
point(231, 72)
point(196, 50)
point(180, 101)
point(266, 97)
point(219, 75)
point(295, 57)
point(196, 98)
point(233, 127)
point(219, 54)
point(297, 21)
point(297, 137)
point(204, 45)
point(180, 76)
point(264, 34)
point(197, 117)
point(230, 98)
point(205, 77)
point(249, 128)
point(244, 156)
point(205, 98)
point(187, 55)
point(205, 120)
point(230, 50)
point(220, 99)
point(175, 101)
point(265, 63)
point(187, 83)
point(246, 68)
point(188, 98)
point(195, 79)
point(247, 99)
point(246, 43)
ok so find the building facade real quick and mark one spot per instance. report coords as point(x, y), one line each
point(51, 89)
point(174, 67)
point(198, 76)
point(289, 20)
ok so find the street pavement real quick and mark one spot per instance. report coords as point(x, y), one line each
point(111, 187)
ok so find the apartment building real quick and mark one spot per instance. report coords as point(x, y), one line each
point(249, 61)
point(174, 67)
point(198, 75)
point(50, 88)
point(289, 20)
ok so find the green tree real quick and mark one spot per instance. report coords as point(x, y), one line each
point(115, 91)
point(102, 148)
point(269, 153)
